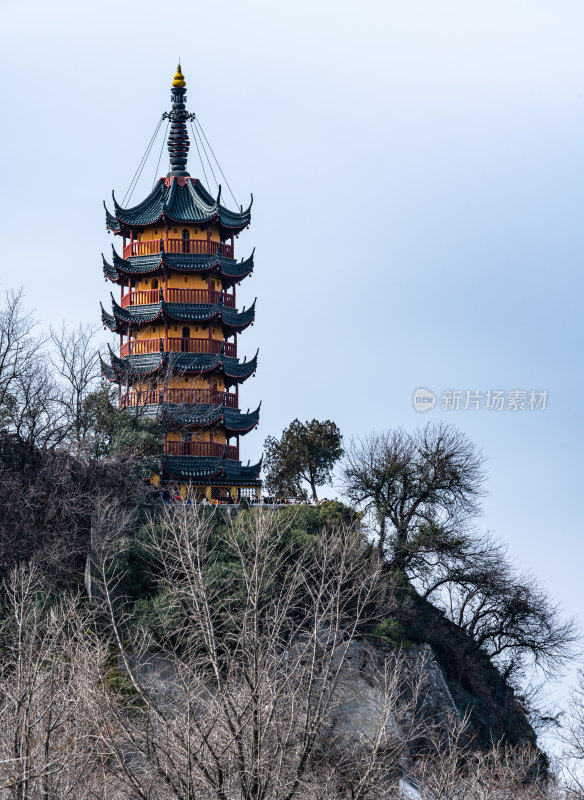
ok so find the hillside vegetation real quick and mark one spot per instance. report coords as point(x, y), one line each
point(372, 650)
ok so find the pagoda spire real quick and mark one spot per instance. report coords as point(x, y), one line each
point(178, 139)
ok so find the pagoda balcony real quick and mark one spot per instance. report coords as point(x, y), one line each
point(175, 344)
point(145, 297)
point(209, 449)
point(196, 246)
point(206, 397)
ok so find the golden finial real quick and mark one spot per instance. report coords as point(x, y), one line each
point(179, 79)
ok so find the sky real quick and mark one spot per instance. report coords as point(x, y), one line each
point(418, 180)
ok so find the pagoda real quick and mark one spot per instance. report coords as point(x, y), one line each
point(178, 323)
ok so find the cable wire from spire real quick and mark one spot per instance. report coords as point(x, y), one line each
point(136, 178)
point(197, 122)
point(206, 154)
point(160, 155)
point(200, 157)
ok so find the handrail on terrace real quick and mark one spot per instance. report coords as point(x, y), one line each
point(144, 297)
point(195, 246)
point(177, 344)
point(209, 449)
point(182, 396)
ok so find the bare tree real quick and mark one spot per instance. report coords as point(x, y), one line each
point(505, 610)
point(76, 360)
point(256, 682)
point(572, 736)
point(32, 411)
point(245, 689)
point(450, 768)
point(49, 660)
point(18, 345)
point(422, 488)
point(28, 397)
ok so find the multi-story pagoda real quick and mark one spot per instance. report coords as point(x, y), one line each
point(178, 324)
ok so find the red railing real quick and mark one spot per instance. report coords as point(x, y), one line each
point(211, 449)
point(200, 246)
point(183, 396)
point(174, 344)
point(144, 297)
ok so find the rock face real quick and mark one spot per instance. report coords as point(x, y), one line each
point(452, 682)
point(364, 689)
point(475, 685)
point(414, 680)
point(493, 712)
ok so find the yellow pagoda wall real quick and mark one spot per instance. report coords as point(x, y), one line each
point(157, 331)
point(175, 232)
point(184, 382)
point(219, 436)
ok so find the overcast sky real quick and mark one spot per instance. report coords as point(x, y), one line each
point(418, 180)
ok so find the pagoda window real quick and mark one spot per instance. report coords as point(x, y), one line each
point(185, 238)
point(155, 284)
point(186, 333)
point(186, 436)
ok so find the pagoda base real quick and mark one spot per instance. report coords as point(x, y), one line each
point(211, 479)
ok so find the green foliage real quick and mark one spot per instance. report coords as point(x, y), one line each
point(392, 629)
point(116, 430)
point(142, 584)
point(117, 679)
point(138, 565)
point(311, 519)
point(306, 452)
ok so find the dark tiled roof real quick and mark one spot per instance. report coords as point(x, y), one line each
point(229, 268)
point(107, 319)
point(194, 468)
point(232, 320)
point(148, 364)
point(177, 200)
point(107, 370)
point(110, 272)
point(204, 416)
point(111, 223)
